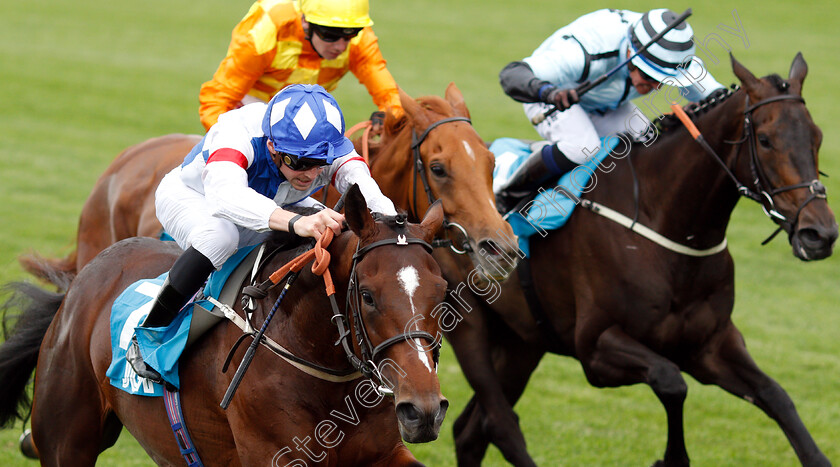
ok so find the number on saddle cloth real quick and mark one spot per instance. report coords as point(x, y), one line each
point(162, 347)
point(550, 209)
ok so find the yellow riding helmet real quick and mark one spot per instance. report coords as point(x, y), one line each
point(337, 13)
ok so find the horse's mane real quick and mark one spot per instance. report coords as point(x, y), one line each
point(666, 123)
point(278, 240)
point(396, 223)
point(434, 104)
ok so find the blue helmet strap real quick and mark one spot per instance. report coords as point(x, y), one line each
point(323, 150)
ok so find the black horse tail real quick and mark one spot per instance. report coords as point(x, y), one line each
point(19, 353)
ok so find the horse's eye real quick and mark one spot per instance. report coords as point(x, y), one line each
point(367, 298)
point(764, 141)
point(438, 170)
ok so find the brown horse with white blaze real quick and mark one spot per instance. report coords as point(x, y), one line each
point(383, 270)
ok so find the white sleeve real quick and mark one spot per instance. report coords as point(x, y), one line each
point(352, 169)
point(229, 196)
point(558, 61)
point(310, 202)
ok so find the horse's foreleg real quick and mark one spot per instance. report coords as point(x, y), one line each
point(494, 421)
point(617, 359)
point(730, 366)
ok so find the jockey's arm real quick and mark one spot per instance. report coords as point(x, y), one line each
point(229, 196)
point(519, 82)
point(226, 190)
point(351, 169)
point(368, 65)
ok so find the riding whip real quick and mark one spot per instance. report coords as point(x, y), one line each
point(587, 85)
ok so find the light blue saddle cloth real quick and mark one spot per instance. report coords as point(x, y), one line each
point(161, 347)
point(550, 209)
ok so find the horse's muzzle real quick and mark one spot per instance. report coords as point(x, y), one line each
point(497, 260)
point(421, 424)
point(814, 243)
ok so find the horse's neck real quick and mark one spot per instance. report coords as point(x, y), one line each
point(685, 194)
point(393, 169)
point(305, 328)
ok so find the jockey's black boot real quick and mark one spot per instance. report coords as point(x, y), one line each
point(543, 164)
point(185, 278)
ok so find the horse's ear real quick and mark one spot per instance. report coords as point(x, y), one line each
point(413, 110)
point(356, 212)
point(432, 221)
point(748, 80)
point(456, 100)
point(798, 71)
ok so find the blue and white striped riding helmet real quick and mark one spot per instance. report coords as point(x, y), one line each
point(663, 58)
point(304, 120)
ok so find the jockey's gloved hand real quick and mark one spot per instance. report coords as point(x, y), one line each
point(377, 119)
point(562, 98)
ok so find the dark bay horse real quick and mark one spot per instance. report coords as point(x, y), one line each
point(384, 267)
point(121, 205)
point(632, 311)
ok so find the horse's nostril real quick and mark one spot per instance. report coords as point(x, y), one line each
point(444, 406)
point(810, 238)
point(490, 248)
point(408, 412)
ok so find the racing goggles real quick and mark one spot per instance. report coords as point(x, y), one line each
point(643, 75)
point(301, 164)
point(330, 34)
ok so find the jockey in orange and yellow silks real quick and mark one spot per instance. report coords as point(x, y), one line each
point(283, 42)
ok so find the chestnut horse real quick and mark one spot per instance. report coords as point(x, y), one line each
point(433, 153)
point(392, 285)
point(451, 163)
point(633, 311)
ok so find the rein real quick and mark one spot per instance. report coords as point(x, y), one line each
point(763, 195)
point(366, 365)
point(419, 169)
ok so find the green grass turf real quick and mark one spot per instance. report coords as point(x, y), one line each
point(82, 80)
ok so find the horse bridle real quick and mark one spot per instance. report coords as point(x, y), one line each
point(419, 169)
point(368, 363)
point(763, 193)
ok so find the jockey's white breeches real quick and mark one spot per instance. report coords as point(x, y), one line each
point(186, 216)
point(577, 132)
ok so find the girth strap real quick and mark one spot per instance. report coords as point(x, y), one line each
point(172, 402)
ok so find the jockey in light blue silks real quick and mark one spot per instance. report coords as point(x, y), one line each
point(587, 48)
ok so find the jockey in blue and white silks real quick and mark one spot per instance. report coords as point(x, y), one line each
point(232, 188)
point(230, 177)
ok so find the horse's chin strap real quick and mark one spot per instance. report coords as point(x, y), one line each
point(419, 170)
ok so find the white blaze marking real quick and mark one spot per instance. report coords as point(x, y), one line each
point(469, 149)
point(410, 280)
